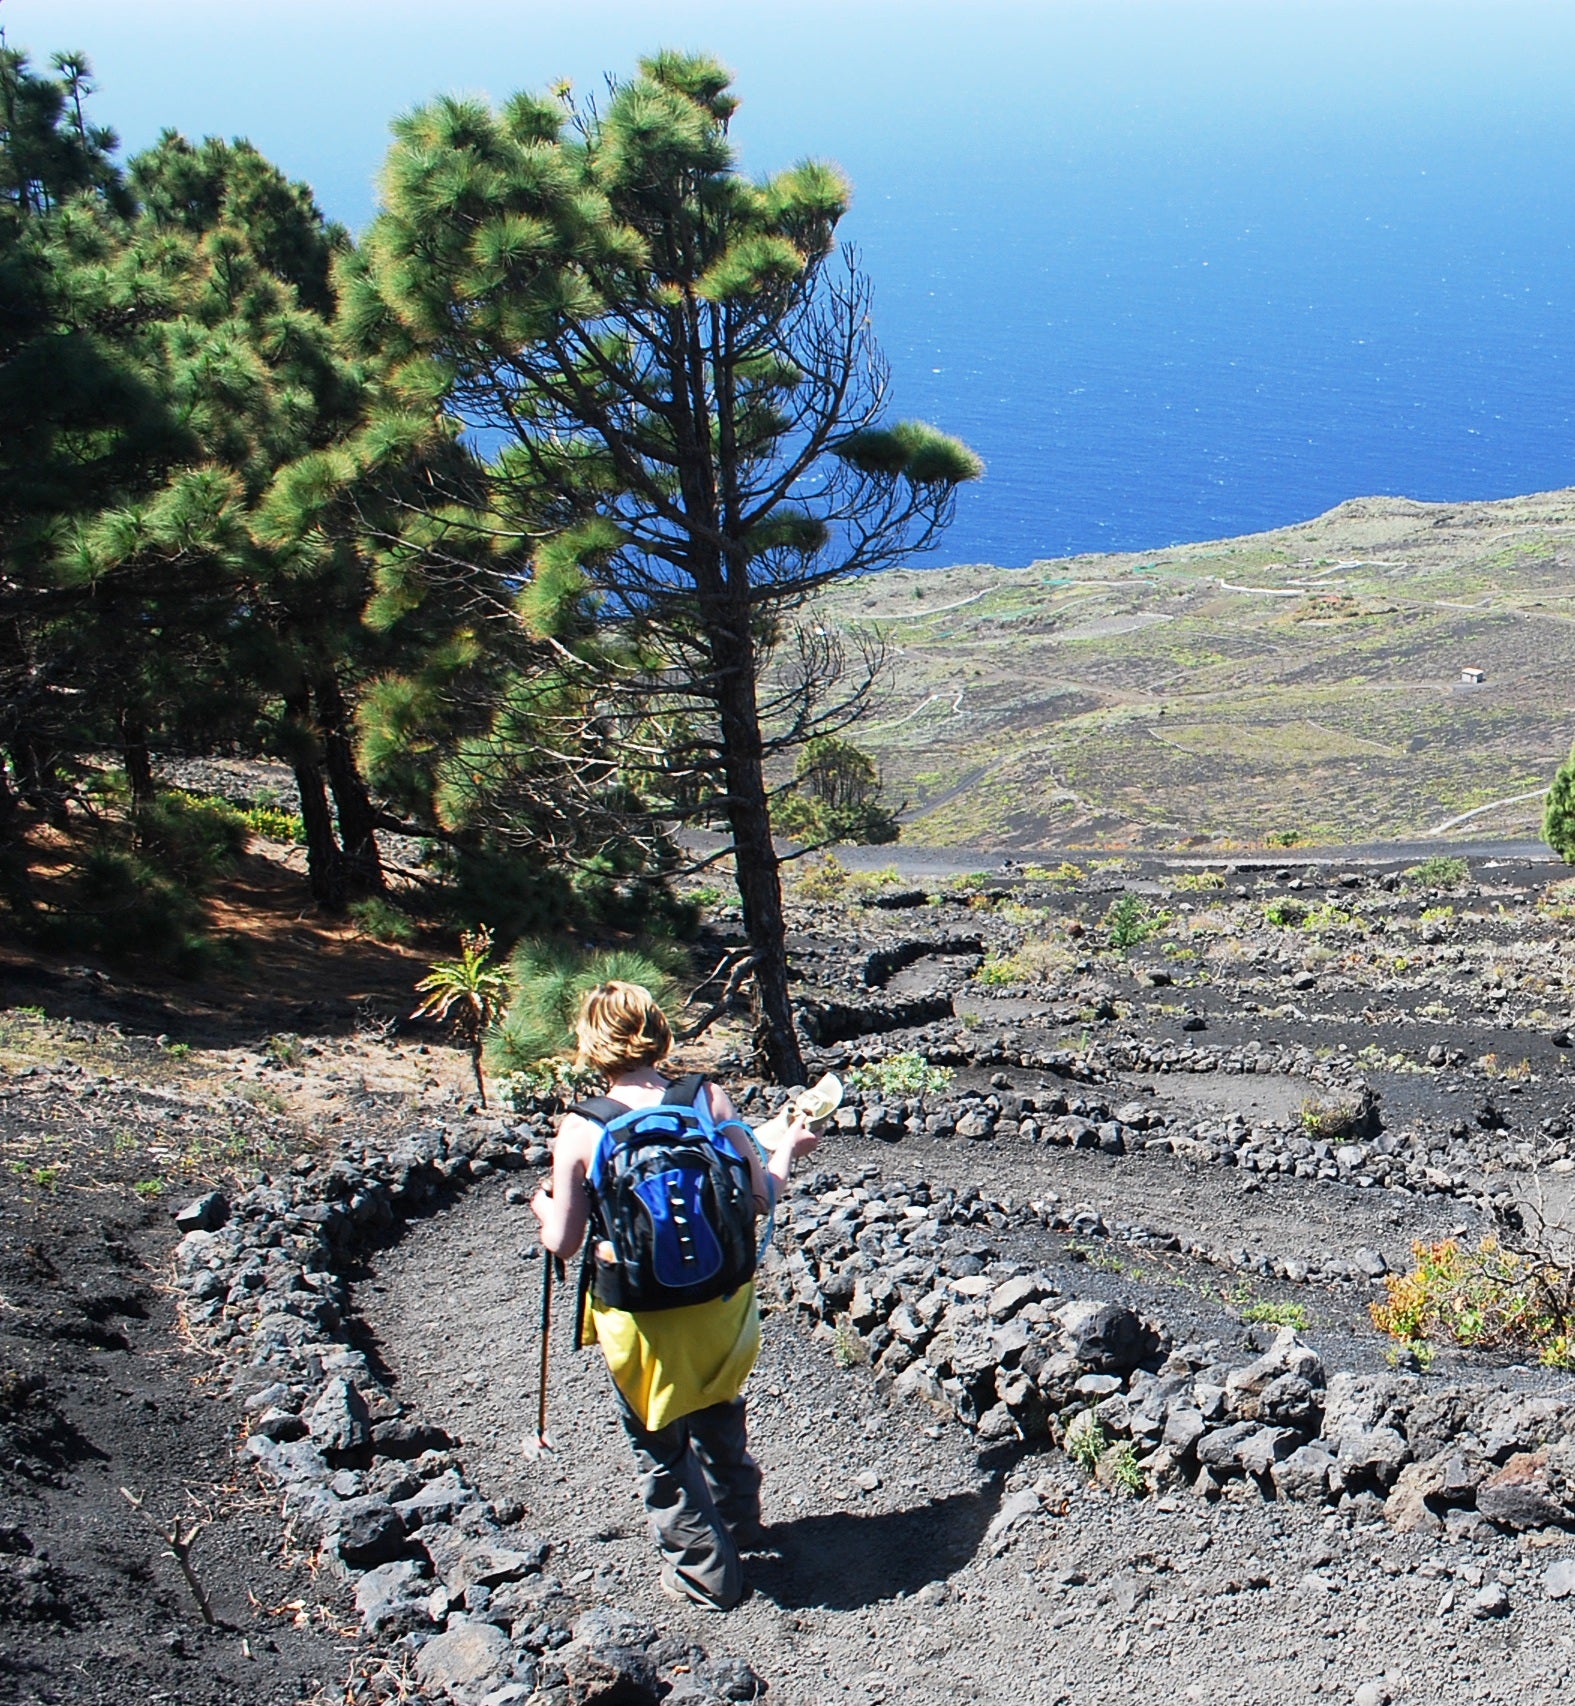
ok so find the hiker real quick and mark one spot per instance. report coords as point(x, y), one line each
point(678, 1372)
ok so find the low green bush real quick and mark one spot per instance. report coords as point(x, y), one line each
point(1485, 1298)
point(906, 1074)
point(825, 880)
point(125, 907)
point(1276, 1315)
point(273, 823)
point(556, 1076)
point(383, 921)
point(197, 838)
point(1441, 871)
point(1198, 882)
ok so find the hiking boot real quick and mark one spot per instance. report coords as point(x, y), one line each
point(681, 1588)
point(751, 1535)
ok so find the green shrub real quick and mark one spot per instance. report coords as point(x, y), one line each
point(1283, 838)
point(1130, 921)
point(549, 979)
point(383, 921)
point(1198, 882)
point(823, 881)
point(1330, 915)
point(1441, 871)
point(872, 882)
point(906, 1074)
point(1286, 913)
point(1120, 1471)
point(284, 1048)
point(1086, 1441)
point(1485, 1298)
point(1329, 1121)
point(198, 839)
point(1276, 1315)
point(556, 1076)
point(1064, 875)
point(125, 907)
point(273, 823)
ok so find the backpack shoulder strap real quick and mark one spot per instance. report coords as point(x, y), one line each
point(685, 1092)
point(599, 1110)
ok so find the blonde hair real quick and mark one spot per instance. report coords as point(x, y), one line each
point(621, 1026)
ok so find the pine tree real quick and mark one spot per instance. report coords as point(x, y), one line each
point(1558, 817)
point(167, 360)
point(680, 366)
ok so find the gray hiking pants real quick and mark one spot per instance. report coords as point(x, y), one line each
point(699, 1484)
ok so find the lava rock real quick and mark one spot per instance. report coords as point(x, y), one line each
point(206, 1213)
point(465, 1661)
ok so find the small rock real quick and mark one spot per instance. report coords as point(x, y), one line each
point(364, 1531)
point(393, 1597)
point(340, 1420)
point(1490, 1600)
point(204, 1214)
point(1559, 1582)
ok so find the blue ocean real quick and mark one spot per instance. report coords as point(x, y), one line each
point(1176, 268)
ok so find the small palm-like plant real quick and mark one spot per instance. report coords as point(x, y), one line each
point(469, 992)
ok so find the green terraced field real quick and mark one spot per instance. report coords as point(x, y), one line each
point(1298, 684)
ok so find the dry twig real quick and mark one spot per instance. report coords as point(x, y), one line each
point(179, 1548)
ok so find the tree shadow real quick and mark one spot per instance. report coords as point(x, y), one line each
point(844, 1560)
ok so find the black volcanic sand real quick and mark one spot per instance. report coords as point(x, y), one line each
point(906, 1562)
point(886, 1580)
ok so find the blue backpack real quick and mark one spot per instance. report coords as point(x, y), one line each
point(672, 1207)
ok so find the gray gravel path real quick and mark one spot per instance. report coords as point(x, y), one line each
point(908, 1567)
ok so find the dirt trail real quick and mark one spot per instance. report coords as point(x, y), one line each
point(908, 1567)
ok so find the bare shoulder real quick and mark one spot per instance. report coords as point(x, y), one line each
point(577, 1138)
point(720, 1102)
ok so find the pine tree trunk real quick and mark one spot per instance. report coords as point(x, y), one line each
point(363, 863)
point(36, 780)
point(759, 878)
point(324, 862)
point(25, 765)
point(138, 760)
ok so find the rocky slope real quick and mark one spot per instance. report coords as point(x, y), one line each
point(1070, 1389)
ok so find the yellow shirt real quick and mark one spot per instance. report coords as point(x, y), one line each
point(668, 1363)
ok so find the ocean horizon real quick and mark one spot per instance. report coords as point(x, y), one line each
point(1176, 269)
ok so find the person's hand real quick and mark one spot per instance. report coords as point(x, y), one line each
point(541, 1205)
point(802, 1139)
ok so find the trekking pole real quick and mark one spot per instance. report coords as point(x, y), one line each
point(541, 1442)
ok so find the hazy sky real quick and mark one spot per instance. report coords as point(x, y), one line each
point(888, 87)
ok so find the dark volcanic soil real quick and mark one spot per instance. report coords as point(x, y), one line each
point(905, 1561)
point(101, 1398)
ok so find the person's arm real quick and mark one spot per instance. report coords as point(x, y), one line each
point(800, 1140)
point(565, 1209)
